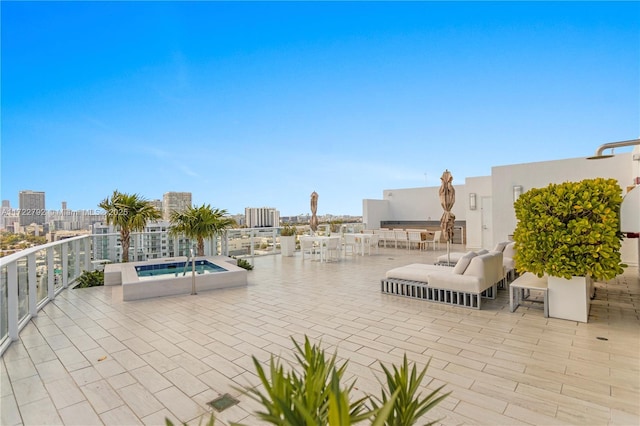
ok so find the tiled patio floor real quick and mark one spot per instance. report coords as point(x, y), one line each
point(89, 358)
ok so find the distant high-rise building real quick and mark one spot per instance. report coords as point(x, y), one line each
point(174, 201)
point(157, 204)
point(64, 205)
point(31, 209)
point(6, 215)
point(261, 217)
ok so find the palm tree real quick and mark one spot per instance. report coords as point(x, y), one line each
point(130, 213)
point(199, 223)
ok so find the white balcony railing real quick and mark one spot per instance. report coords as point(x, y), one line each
point(31, 278)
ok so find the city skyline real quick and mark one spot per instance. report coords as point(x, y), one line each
point(259, 104)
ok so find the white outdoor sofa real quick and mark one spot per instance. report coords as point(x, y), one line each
point(474, 277)
point(507, 248)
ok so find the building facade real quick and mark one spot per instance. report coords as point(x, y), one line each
point(153, 243)
point(261, 217)
point(174, 201)
point(31, 208)
point(485, 203)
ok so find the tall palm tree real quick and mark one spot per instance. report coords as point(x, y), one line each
point(199, 223)
point(129, 213)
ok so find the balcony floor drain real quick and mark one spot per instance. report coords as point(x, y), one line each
point(223, 402)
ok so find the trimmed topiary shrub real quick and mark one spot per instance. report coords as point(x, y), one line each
point(570, 229)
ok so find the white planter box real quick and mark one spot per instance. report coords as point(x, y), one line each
point(570, 299)
point(287, 245)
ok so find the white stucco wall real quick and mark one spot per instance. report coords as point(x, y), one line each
point(481, 186)
point(374, 211)
point(541, 174)
point(496, 193)
point(408, 204)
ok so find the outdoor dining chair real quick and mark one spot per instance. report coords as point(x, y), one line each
point(436, 240)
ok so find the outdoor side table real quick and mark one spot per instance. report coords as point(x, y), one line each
point(519, 291)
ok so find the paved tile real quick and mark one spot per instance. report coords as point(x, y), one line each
point(90, 358)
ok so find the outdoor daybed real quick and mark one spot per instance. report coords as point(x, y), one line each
point(474, 277)
point(508, 251)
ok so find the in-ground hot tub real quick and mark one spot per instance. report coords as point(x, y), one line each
point(166, 277)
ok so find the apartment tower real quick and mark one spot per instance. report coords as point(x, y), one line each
point(261, 217)
point(31, 207)
point(174, 201)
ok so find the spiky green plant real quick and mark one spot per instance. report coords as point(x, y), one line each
point(90, 279)
point(312, 396)
point(402, 387)
point(242, 263)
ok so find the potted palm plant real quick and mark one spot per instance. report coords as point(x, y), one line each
point(571, 233)
point(128, 213)
point(288, 240)
point(199, 223)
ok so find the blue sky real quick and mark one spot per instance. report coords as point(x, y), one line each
point(259, 104)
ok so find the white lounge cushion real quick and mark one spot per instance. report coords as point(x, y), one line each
point(452, 257)
point(463, 263)
point(494, 270)
point(479, 275)
point(500, 246)
point(483, 251)
point(462, 283)
point(509, 250)
point(416, 272)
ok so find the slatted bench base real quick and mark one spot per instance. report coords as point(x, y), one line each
point(423, 291)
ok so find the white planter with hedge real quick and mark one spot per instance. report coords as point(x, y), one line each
point(570, 230)
point(288, 240)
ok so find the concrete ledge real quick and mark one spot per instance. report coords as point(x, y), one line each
point(134, 289)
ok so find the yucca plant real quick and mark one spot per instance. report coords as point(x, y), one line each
point(307, 397)
point(402, 385)
point(339, 407)
point(315, 396)
point(242, 263)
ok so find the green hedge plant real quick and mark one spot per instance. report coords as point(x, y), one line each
point(570, 229)
point(288, 230)
point(90, 279)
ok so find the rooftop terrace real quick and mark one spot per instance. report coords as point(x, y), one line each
point(90, 358)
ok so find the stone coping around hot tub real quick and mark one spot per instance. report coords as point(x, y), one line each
point(134, 289)
point(113, 271)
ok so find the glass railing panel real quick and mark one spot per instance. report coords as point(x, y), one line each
point(71, 262)
point(23, 288)
point(250, 241)
point(57, 267)
point(82, 252)
point(104, 247)
point(42, 275)
point(4, 304)
point(264, 241)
